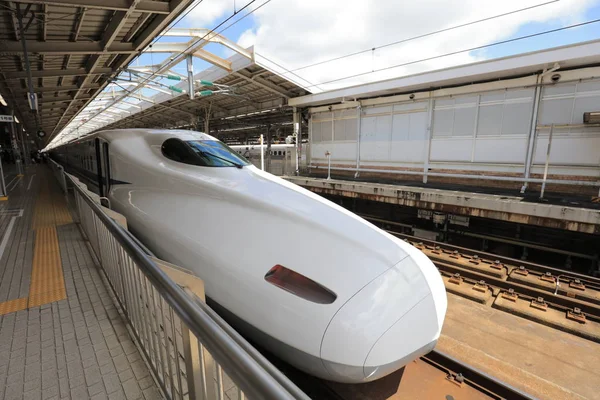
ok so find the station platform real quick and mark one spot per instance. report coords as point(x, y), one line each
point(61, 336)
point(540, 360)
point(570, 216)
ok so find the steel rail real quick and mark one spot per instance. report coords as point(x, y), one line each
point(511, 264)
point(479, 379)
point(587, 279)
point(559, 301)
point(246, 369)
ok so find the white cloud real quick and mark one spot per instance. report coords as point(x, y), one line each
point(295, 33)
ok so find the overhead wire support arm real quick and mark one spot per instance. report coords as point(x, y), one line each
point(32, 96)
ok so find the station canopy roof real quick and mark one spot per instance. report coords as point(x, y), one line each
point(73, 48)
point(242, 93)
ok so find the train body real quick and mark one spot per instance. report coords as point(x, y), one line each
point(336, 297)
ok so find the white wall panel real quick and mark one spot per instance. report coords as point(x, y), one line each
point(321, 131)
point(383, 134)
point(343, 151)
point(584, 104)
point(443, 122)
point(315, 132)
point(317, 151)
point(464, 121)
point(555, 111)
point(401, 127)
point(567, 151)
point(566, 103)
point(490, 120)
point(517, 119)
point(409, 137)
point(418, 126)
point(451, 149)
point(500, 150)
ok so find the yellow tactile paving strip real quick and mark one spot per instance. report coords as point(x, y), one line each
point(47, 280)
point(47, 283)
point(50, 209)
point(13, 305)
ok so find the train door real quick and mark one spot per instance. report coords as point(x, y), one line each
point(105, 168)
point(99, 168)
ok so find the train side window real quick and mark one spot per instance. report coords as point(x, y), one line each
point(176, 150)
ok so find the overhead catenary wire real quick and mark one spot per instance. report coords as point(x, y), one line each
point(462, 51)
point(290, 71)
point(422, 36)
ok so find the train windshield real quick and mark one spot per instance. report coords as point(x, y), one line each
point(213, 153)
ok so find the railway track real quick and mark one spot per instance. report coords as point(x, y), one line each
point(562, 299)
point(435, 375)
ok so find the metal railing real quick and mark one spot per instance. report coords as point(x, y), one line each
point(192, 352)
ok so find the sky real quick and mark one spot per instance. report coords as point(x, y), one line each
point(298, 33)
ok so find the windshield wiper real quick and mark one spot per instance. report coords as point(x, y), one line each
point(237, 165)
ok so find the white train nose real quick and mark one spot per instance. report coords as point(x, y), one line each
point(394, 319)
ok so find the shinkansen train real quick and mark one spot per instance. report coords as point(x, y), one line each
point(338, 297)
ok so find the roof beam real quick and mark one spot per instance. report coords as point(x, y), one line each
point(114, 95)
point(210, 37)
point(58, 99)
point(39, 47)
point(48, 73)
point(52, 89)
point(155, 7)
point(144, 37)
point(213, 59)
point(271, 87)
point(43, 25)
point(111, 32)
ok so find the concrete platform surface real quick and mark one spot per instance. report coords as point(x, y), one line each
point(493, 206)
point(61, 336)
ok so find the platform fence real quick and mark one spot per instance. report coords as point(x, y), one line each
point(192, 352)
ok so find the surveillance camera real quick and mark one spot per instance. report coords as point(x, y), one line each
point(412, 96)
point(330, 108)
point(555, 77)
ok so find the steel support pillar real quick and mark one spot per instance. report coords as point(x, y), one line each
point(32, 95)
point(298, 135)
point(190, 72)
point(429, 136)
point(359, 123)
point(532, 132)
point(269, 148)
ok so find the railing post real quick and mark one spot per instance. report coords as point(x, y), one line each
point(209, 370)
point(191, 352)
